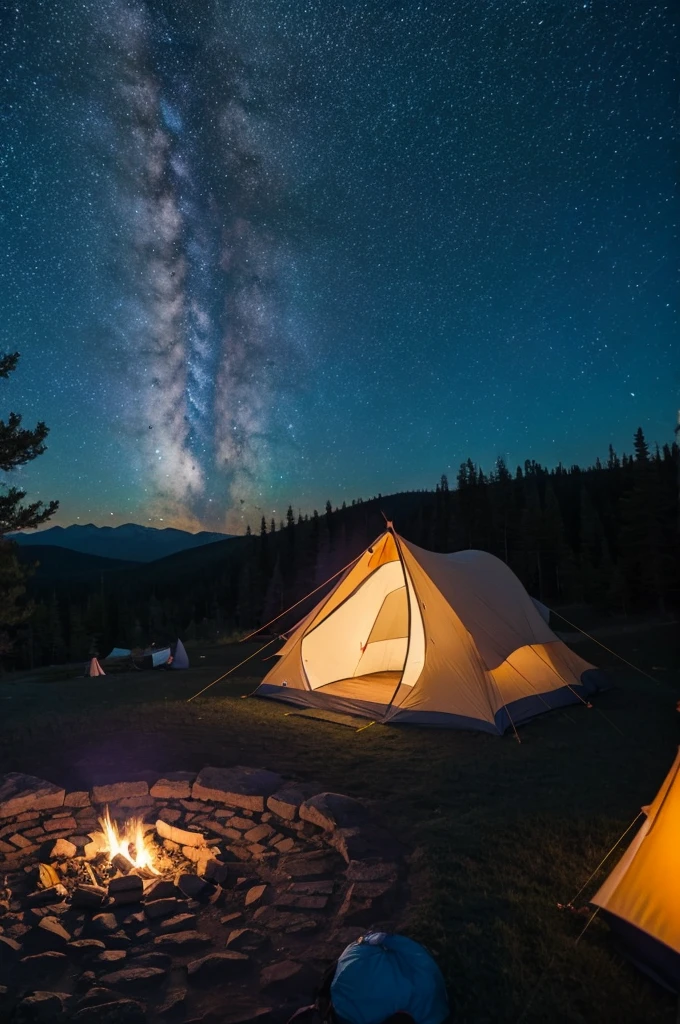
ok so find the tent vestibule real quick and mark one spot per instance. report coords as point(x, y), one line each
point(408, 635)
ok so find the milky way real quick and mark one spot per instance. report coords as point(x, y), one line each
point(278, 252)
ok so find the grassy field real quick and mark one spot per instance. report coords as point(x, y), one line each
point(500, 832)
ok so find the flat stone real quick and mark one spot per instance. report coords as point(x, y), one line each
point(333, 810)
point(324, 888)
point(117, 940)
point(255, 894)
point(236, 787)
point(55, 931)
point(111, 956)
point(161, 908)
point(79, 798)
point(41, 1008)
point(257, 834)
point(95, 996)
point(308, 866)
point(170, 814)
point(60, 824)
point(192, 805)
point(280, 921)
point(283, 976)
point(9, 949)
point(226, 831)
point(245, 939)
point(295, 901)
point(224, 812)
point(41, 966)
point(240, 824)
point(20, 842)
point(162, 960)
point(178, 923)
point(365, 843)
point(63, 850)
point(177, 942)
point(85, 949)
point(173, 786)
point(218, 967)
point(193, 887)
point(371, 871)
point(174, 1004)
point(231, 918)
point(160, 889)
point(285, 803)
point(133, 977)
point(117, 1011)
point(88, 897)
point(20, 793)
point(117, 791)
point(103, 924)
point(365, 902)
point(180, 836)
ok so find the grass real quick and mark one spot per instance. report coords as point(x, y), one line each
point(499, 832)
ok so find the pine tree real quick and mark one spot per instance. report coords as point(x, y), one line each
point(641, 447)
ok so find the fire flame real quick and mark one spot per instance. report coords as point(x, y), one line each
point(131, 842)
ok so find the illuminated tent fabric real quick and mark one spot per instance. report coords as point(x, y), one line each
point(641, 897)
point(118, 652)
point(94, 669)
point(181, 658)
point(408, 635)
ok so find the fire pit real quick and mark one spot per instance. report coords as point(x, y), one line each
point(219, 897)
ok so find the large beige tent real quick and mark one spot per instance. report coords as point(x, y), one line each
point(445, 640)
point(641, 897)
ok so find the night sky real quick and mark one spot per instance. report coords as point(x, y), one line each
point(278, 251)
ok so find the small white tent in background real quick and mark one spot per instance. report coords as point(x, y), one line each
point(94, 669)
point(118, 652)
point(181, 658)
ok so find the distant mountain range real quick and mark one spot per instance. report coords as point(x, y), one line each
point(128, 543)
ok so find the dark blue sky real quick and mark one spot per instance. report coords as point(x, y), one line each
point(276, 252)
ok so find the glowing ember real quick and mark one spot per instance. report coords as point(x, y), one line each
point(130, 842)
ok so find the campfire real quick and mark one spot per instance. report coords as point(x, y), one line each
point(130, 844)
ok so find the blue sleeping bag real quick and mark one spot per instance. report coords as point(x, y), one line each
point(382, 974)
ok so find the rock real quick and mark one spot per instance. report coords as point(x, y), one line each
point(42, 965)
point(79, 798)
point(20, 793)
point(103, 924)
point(174, 1004)
point(143, 935)
point(230, 918)
point(179, 835)
point(40, 1008)
point(365, 902)
point(333, 810)
point(285, 803)
point(152, 960)
point(162, 908)
point(226, 831)
point(246, 940)
point(85, 949)
point(95, 996)
point(192, 805)
point(89, 897)
point(224, 812)
point(170, 814)
point(258, 851)
point(279, 921)
point(178, 942)
point(56, 936)
point(218, 967)
point(111, 956)
point(255, 894)
point(63, 850)
point(366, 843)
point(60, 824)
point(85, 981)
point(308, 866)
point(133, 978)
point(371, 871)
point(118, 1011)
point(237, 787)
point(160, 889)
point(283, 977)
point(116, 791)
point(179, 923)
point(257, 834)
point(117, 940)
point(173, 786)
point(193, 887)
point(324, 888)
point(295, 901)
point(9, 950)
point(126, 889)
point(240, 824)
point(20, 842)
point(285, 845)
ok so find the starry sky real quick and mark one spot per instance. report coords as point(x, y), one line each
point(261, 252)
